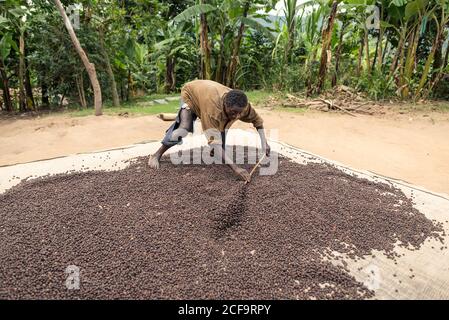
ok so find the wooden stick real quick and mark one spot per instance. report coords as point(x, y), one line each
point(167, 116)
point(255, 167)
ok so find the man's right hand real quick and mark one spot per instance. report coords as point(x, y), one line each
point(242, 173)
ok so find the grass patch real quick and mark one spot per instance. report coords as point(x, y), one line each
point(258, 96)
point(171, 107)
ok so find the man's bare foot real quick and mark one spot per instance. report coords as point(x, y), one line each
point(153, 162)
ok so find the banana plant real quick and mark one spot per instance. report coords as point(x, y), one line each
point(173, 49)
point(417, 15)
point(439, 14)
point(6, 45)
point(310, 26)
point(226, 22)
point(14, 14)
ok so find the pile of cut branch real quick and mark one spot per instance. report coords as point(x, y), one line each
point(342, 98)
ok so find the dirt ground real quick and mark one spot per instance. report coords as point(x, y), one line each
point(412, 147)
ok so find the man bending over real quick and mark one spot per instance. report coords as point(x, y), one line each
point(218, 107)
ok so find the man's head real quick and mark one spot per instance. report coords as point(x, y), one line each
point(235, 101)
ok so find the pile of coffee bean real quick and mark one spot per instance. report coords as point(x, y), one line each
point(197, 232)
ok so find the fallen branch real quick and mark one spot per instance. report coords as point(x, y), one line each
point(331, 105)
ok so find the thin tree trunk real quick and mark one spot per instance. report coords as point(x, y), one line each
point(359, 61)
point(338, 54)
point(130, 86)
point(81, 93)
point(6, 94)
point(122, 89)
point(427, 65)
point(409, 62)
point(326, 41)
point(375, 55)
point(379, 48)
point(398, 50)
point(22, 96)
point(230, 76)
point(44, 90)
point(61, 102)
point(438, 76)
point(113, 83)
point(438, 59)
point(205, 47)
point(170, 81)
point(173, 74)
point(219, 68)
point(368, 60)
point(384, 53)
point(90, 67)
point(28, 88)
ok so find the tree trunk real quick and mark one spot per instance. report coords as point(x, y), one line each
point(28, 88)
point(438, 59)
point(379, 56)
point(90, 67)
point(386, 50)
point(44, 90)
point(61, 102)
point(219, 68)
point(427, 65)
point(205, 47)
point(326, 41)
point(438, 76)
point(368, 60)
point(6, 94)
point(338, 54)
point(373, 66)
point(409, 62)
point(122, 89)
point(170, 80)
point(359, 61)
point(230, 77)
point(22, 96)
point(130, 86)
point(113, 83)
point(81, 93)
point(398, 52)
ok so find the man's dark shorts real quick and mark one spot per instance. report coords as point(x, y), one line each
point(167, 141)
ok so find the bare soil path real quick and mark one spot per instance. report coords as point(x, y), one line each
point(411, 147)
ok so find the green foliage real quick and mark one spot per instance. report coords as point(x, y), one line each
point(6, 45)
point(193, 12)
point(154, 46)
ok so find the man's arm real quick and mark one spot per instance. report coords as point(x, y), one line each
point(263, 140)
point(242, 173)
point(251, 116)
point(213, 137)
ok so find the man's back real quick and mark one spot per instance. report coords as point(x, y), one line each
point(204, 97)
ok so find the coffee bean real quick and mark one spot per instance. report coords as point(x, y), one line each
point(197, 232)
